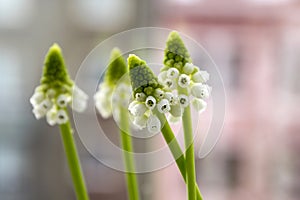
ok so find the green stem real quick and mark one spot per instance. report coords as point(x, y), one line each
point(175, 150)
point(189, 154)
point(73, 161)
point(133, 192)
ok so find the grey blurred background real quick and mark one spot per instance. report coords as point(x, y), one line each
point(255, 43)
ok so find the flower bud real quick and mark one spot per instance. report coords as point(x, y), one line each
point(200, 90)
point(163, 106)
point(170, 97)
point(140, 96)
point(153, 124)
point(199, 104)
point(200, 77)
point(140, 121)
point(150, 102)
point(188, 68)
point(159, 93)
point(138, 109)
point(61, 117)
point(183, 100)
point(172, 73)
point(63, 100)
point(184, 81)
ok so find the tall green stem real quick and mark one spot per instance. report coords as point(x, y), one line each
point(189, 146)
point(133, 192)
point(189, 154)
point(73, 161)
point(175, 150)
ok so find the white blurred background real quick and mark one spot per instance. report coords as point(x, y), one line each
point(255, 43)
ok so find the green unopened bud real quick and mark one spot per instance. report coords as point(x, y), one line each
point(55, 74)
point(176, 54)
point(116, 68)
point(141, 76)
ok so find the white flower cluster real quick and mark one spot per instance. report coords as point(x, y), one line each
point(109, 98)
point(142, 108)
point(190, 78)
point(102, 100)
point(52, 103)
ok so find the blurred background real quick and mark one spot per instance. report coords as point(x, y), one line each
point(256, 45)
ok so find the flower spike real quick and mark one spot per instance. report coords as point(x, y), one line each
point(181, 77)
point(189, 87)
point(141, 76)
point(151, 97)
point(116, 69)
point(55, 73)
point(176, 54)
point(56, 91)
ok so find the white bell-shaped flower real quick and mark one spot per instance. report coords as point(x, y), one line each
point(188, 68)
point(39, 112)
point(104, 108)
point(51, 116)
point(103, 100)
point(170, 97)
point(172, 73)
point(37, 98)
point(150, 102)
point(138, 109)
point(79, 105)
point(170, 83)
point(184, 81)
point(199, 104)
point(104, 88)
point(162, 76)
point(159, 93)
point(200, 90)
point(61, 117)
point(63, 100)
point(79, 94)
point(163, 106)
point(79, 99)
point(140, 96)
point(183, 100)
point(153, 124)
point(140, 121)
point(200, 77)
point(46, 104)
point(132, 104)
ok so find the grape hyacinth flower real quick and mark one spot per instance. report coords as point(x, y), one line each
point(152, 102)
point(51, 98)
point(150, 96)
point(104, 98)
point(56, 91)
point(112, 97)
point(189, 87)
point(179, 73)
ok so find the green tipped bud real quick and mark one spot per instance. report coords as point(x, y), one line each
point(176, 54)
point(116, 68)
point(55, 74)
point(141, 76)
point(56, 91)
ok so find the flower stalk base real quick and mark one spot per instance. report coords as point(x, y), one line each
point(73, 161)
